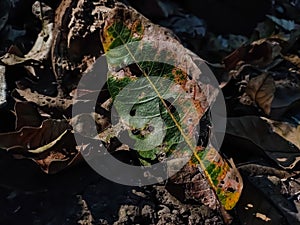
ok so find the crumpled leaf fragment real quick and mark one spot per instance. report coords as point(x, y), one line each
point(42, 46)
point(226, 43)
point(261, 89)
point(265, 29)
point(286, 98)
point(84, 124)
point(76, 24)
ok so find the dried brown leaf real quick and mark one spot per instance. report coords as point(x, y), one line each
point(34, 137)
point(261, 89)
point(43, 100)
point(51, 145)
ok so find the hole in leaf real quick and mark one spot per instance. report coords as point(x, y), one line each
point(230, 189)
point(136, 132)
point(170, 106)
point(132, 112)
point(150, 128)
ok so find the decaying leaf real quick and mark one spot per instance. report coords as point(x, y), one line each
point(147, 112)
point(76, 24)
point(42, 46)
point(261, 89)
point(43, 100)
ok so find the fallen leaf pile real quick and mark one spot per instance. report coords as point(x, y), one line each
point(257, 172)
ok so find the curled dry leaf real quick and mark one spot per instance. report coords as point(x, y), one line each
point(42, 46)
point(51, 145)
point(261, 89)
point(29, 138)
point(54, 156)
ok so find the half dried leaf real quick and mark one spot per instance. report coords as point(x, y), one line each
point(144, 105)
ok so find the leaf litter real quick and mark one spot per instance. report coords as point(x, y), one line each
point(262, 68)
